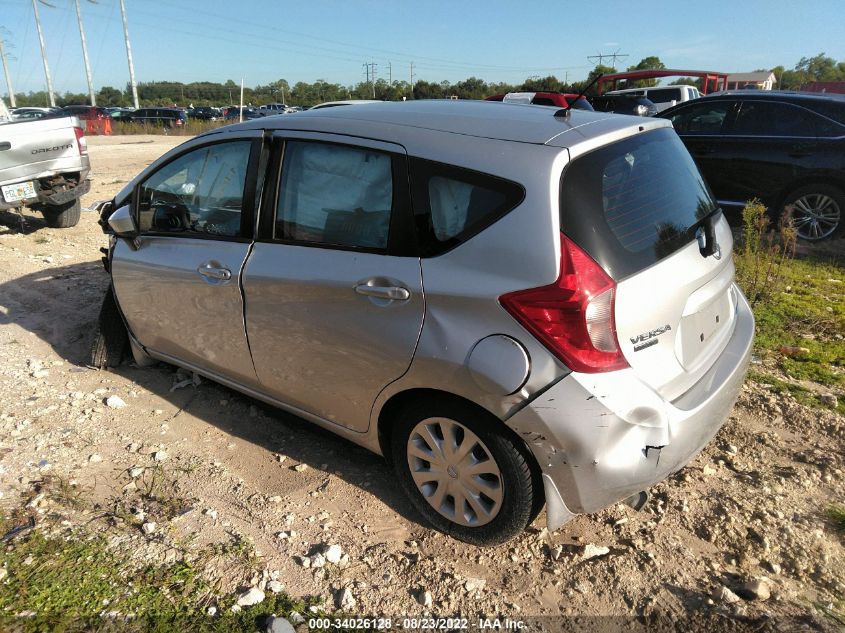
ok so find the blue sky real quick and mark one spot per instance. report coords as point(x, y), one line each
point(305, 40)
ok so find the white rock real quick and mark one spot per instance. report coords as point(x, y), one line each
point(211, 611)
point(250, 597)
point(276, 624)
point(300, 468)
point(592, 551)
point(318, 560)
point(345, 599)
point(149, 528)
point(333, 554)
point(727, 596)
point(275, 499)
point(425, 598)
point(474, 584)
point(296, 618)
point(94, 459)
point(136, 471)
point(115, 402)
point(281, 458)
point(160, 456)
point(3, 574)
point(210, 512)
point(134, 447)
point(275, 586)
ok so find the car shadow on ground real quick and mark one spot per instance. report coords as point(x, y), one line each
point(27, 222)
point(60, 305)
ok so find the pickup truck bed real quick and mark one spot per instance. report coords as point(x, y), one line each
point(44, 164)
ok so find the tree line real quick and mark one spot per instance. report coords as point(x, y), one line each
point(167, 93)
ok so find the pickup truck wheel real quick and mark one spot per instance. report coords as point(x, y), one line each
point(62, 216)
point(467, 477)
point(111, 340)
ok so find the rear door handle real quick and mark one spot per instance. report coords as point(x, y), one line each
point(211, 272)
point(393, 293)
point(4, 145)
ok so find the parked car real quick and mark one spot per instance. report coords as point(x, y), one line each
point(121, 114)
point(785, 148)
point(166, 117)
point(29, 114)
point(662, 96)
point(624, 104)
point(44, 164)
point(85, 112)
point(249, 113)
point(557, 99)
point(204, 113)
point(274, 108)
point(406, 281)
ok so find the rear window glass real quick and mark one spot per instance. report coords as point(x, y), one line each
point(632, 203)
point(664, 95)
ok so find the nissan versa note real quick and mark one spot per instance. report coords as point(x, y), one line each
point(515, 305)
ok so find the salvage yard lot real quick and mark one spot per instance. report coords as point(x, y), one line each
point(236, 495)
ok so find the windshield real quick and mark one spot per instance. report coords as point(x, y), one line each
point(632, 203)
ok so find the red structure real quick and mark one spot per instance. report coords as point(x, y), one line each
point(719, 80)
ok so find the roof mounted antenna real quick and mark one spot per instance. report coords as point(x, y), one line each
point(564, 112)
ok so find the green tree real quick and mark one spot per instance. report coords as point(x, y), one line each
point(647, 63)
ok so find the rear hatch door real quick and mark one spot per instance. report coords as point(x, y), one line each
point(641, 209)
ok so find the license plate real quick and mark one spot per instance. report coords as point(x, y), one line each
point(20, 191)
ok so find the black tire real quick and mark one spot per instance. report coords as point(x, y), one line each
point(521, 496)
point(62, 216)
point(826, 200)
point(111, 340)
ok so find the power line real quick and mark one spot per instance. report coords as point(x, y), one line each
point(601, 56)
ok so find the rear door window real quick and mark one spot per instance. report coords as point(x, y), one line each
point(335, 195)
point(634, 202)
point(766, 118)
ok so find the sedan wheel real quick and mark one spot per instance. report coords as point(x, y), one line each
point(455, 472)
point(817, 212)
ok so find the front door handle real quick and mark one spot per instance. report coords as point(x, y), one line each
point(218, 274)
point(393, 293)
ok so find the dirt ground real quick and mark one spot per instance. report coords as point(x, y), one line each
point(740, 533)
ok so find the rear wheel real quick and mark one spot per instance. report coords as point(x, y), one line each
point(463, 472)
point(817, 211)
point(62, 216)
point(111, 340)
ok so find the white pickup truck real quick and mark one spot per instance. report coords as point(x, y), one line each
point(44, 165)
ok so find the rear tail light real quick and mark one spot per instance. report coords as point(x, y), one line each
point(573, 317)
point(81, 142)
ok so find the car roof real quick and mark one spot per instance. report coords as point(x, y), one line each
point(776, 94)
point(485, 119)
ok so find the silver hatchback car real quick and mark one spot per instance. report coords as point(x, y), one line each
point(515, 305)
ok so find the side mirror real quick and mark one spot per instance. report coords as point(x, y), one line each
point(122, 223)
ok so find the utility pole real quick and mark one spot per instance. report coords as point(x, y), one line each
point(85, 54)
point(128, 56)
point(50, 93)
point(8, 76)
point(371, 76)
point(390, 73)
point(412, 80)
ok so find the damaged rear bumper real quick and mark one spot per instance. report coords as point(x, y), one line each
point(599, 438)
